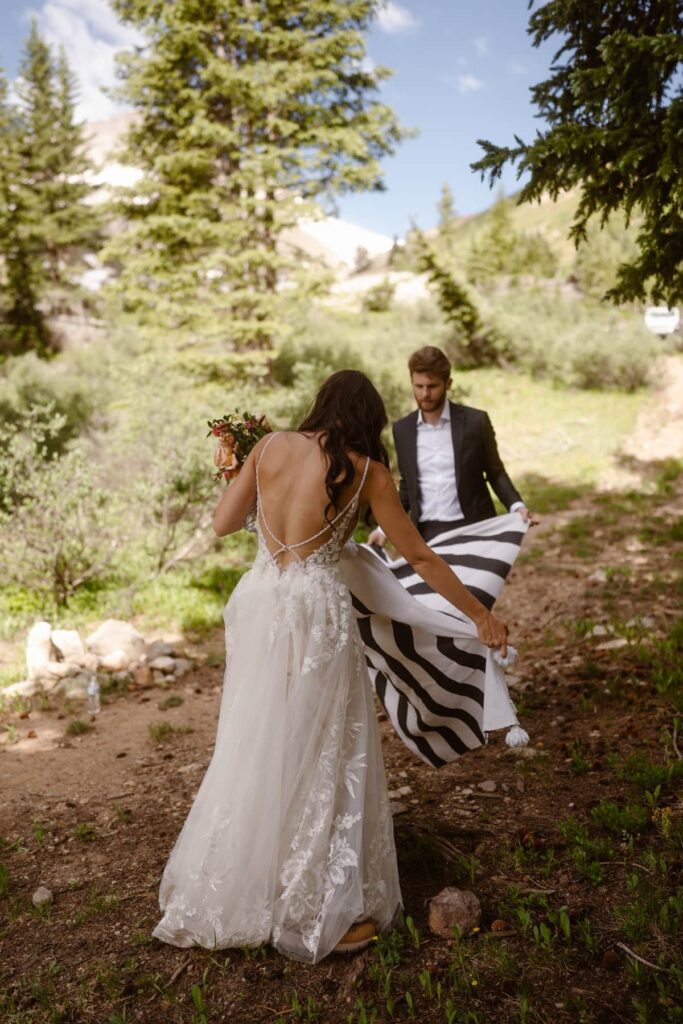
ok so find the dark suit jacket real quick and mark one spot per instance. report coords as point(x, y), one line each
point(477, 463)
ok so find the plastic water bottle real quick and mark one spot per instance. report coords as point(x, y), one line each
point(93, 696)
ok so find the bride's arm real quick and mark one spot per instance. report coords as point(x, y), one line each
point(380, 493)
point(239, 496)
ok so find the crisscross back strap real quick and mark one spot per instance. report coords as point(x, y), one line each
point(328, 526)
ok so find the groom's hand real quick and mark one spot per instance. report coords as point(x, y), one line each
point(377, 537)
point(529, 517)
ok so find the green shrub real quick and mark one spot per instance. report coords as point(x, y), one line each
point(629, 819)
point(60, 533)
point(378, 299)
point(52, 395)
point(551, 336)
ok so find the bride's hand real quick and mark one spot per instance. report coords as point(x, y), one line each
point(224, 458)
point(493, 632)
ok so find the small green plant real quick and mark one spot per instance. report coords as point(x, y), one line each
point(174, 700)
point(77, 727)
point(85, 832)
point(161, 731)
point(620, 820)
point(414, 933)
point(578, 764)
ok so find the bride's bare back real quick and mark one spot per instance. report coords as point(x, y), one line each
point(290, 475)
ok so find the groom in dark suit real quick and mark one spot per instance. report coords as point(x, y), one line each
point(447, 455)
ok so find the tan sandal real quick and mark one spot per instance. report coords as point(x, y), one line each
point(358, 937)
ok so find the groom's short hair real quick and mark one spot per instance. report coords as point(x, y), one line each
point(430, 359)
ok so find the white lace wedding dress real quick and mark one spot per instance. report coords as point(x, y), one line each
point(289, 839)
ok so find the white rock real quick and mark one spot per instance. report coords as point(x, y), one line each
point(488, 786)
point(52, 670)
point(163, 664)
point(182, 667)
point(115, 661)
point(454, 908)
point(26, 688)
point(599, 576)
point(69, 644)
point(598, 630)
point(405, 790)
point(613, 645)
point(38, 647)
point(115, 635)
point(42, 896)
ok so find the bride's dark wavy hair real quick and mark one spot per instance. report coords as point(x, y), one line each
point(349, 414)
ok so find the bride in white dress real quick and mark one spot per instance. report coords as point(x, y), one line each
point(290, 839)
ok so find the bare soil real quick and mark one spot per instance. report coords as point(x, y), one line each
point(93, 817)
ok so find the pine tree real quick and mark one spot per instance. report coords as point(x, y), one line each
point(613, 106)
point(247, 111)
point(22, 324)
point(448, 218)
point(492, 252)
point(45, 223)
point(54, 163)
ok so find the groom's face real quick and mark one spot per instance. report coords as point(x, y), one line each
point(430, 391)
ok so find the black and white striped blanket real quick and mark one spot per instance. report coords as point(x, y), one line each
point(442, 689)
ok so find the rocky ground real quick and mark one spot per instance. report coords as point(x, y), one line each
point(573, 848)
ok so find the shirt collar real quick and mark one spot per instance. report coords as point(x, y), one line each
point(444, 418)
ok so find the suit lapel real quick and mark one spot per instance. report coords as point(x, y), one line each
point(457, 433)
point(411, 451)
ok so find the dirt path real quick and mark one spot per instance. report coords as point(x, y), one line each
point(93, 817)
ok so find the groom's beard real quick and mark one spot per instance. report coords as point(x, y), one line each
point(429, 405)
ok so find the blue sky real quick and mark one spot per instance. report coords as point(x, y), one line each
point(463, 69)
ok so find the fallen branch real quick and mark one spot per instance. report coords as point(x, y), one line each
point(640, 959)
point(179, 970)
point(674, 741)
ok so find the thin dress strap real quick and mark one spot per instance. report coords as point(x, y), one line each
point(328, 526)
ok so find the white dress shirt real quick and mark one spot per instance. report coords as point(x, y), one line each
point(436, 470)
point(439, 499)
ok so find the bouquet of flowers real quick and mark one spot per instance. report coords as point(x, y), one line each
point(236, 437)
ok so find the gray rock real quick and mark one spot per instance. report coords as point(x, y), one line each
point(122, 677)
point(454, 908)
point(599, 630)
point(599, 576)
point(115, 635)
point(182, 667)
point(525, 753)
point(42, 897)
point(74, 687)
point(488, 786)
point(397, 807)
point(405, 790)
point(163, 664)
point(38, 647)
point(68, 643)
point(158, 649)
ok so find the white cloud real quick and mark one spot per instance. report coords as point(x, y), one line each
point(468, 83)
point(393, 18)
point(481, 45)
point(516, 68)
point(91, 35)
